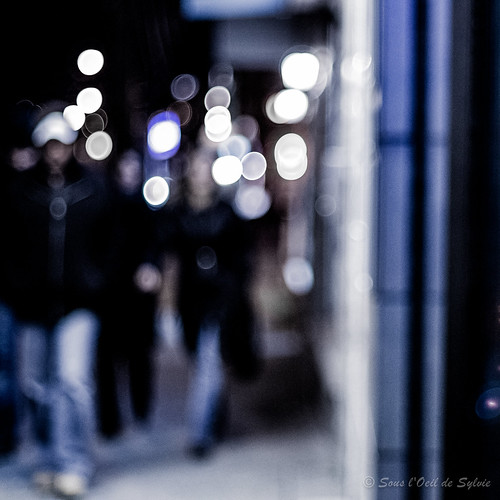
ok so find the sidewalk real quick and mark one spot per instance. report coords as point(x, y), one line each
point(284, 453)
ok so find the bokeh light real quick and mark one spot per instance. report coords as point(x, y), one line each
point(99, 145)
point(246, 125)
point(89, 100)
point(218, 124)
point(164, 135)
point(184, 87)
point(75, 116)
point(235, 145)
point(290, 153)
point(298, 275)
point(227, 170)
point(156, 191)
point(217, 96)
point(221, 74)
point(206, 258)
point(252, 201)
point(488, 404)
point(289, 106)
point(94, 122)
point(183, 110)
point(300, 70)
point(325, 205)
point(254, 165)
point(90, 62)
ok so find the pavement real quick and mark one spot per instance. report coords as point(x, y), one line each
point(279, 444)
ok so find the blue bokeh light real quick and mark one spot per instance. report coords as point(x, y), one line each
point(164, 135)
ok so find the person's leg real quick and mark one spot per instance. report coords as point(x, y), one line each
point(141, 381)
point(74, 424)
point(8, 382)
point(34, 349)
point(140, 349)
point(205, 390)
point(110, 424)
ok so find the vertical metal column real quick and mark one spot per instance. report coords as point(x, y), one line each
point(418, 254)
point(354, 321)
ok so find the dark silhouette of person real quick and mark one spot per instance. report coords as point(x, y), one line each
point(128, 325)
point(57, 231)
point(213, 248)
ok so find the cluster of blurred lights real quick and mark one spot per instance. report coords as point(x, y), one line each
point(300, 73)
point(183, 88)
point(164, 134)
point(218, 123)
point(86, 115)
point(236, 162)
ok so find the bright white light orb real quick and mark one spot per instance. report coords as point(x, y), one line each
point(291, 105)
point(99, 145)
point(298, 275)
point(89, 100)
point(156, 191)
point(75, 116)
point(227, 170)
point(90, 62)
point(254, 166)
point(218, 124)
point(164, 135)
point(217, 96)
point(290, 153)
point(292, 173)
point(300, 70)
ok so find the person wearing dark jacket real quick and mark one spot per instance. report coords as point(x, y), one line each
point(128, 324)
point(56, 232)
point(212, 247)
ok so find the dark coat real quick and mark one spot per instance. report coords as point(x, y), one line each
point(57, 243)
point(213, 248)
point(129, 314)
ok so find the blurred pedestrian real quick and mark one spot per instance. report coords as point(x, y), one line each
point(212, 246)
point(19, 155)
point(128, 325)
point(56, 230)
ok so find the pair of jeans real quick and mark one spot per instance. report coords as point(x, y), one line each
point(206, 387)
point(8, 383)
point(56, 377)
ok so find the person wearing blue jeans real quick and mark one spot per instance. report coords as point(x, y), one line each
point(56, 378)
point(58, 237)
point(213, 246)
point(206, 389)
